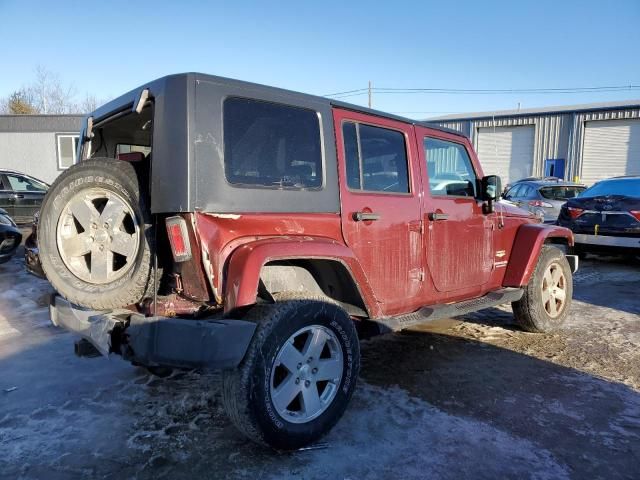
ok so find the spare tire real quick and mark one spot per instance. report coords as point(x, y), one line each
point(96, 235)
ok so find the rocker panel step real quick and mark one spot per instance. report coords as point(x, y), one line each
point(449, 310)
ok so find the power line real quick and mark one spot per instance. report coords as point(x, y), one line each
point(348, 91)
point(487, 91)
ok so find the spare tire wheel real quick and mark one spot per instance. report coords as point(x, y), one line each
point(95, 235)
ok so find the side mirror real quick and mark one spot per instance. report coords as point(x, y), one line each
point(491, 188)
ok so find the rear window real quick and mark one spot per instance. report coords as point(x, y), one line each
point(629, 187)
point(561, 192)
point(376, 158)
point(271, 145)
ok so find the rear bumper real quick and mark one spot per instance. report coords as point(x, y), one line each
point(607, 241)
point(157, 341)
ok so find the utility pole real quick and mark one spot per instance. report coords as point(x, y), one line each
point(369, 93)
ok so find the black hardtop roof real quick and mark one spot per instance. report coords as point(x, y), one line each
point(118, 104)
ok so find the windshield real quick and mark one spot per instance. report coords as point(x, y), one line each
point(629, 187)
point(561, 192)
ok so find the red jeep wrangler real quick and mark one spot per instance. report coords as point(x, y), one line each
point(214, 223)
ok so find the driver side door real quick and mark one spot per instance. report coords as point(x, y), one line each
point(459, 239)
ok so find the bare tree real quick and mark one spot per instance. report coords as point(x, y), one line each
point(88, 104)
point(49, 94)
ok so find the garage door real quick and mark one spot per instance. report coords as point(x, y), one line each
point(611, 148)
point(506, 151)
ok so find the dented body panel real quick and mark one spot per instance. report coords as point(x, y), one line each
point(245, 265)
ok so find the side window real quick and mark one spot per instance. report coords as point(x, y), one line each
point(376, 158)
point(514, 192)
point(271, 145)
point(67, 145)
point(22, 184)
point(351, 155)
point(531, 193)
point(449, 169)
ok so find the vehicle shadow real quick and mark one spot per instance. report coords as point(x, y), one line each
point(587, 423)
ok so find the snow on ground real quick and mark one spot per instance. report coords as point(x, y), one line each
point(465, 399)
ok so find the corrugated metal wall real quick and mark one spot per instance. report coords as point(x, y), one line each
point(576, 142)
point(551, 134)
point(557, 135)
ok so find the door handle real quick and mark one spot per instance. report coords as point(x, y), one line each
point(18, 195)
point(435, 216)
point(365, 216)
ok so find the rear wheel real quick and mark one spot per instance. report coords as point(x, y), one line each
point(95, 235)
point(298, 375)
point(544, 306)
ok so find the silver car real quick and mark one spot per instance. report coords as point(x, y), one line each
point(543, 197)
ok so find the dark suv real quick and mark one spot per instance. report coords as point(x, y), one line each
point(261, 231)
point(21, 195)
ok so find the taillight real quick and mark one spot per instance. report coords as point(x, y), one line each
point(178, 238)
point(575, 212)
point(540, 203)
point(635, 213)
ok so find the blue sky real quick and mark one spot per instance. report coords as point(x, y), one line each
point(106, 48)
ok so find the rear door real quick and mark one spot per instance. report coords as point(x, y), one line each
point(26, 196)
point(380, 196)
point(459, 237)
point(6, 196)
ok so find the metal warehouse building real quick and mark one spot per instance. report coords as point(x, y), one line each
point(585, 142)
point(39, 145)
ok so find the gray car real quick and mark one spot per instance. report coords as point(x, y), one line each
point(543, 197)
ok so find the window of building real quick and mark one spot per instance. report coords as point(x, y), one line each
point(376, 158)
point(271, 145)
point(449, 169)
point(67, 147)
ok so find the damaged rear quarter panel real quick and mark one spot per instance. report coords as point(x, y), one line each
point(296, 235)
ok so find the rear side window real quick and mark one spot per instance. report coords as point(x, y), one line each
point(528, 192)
point(376, 158)
point(271, 145)
point(561, 192)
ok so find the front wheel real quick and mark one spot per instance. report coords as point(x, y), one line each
point(544, 307)
point(298, 375)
